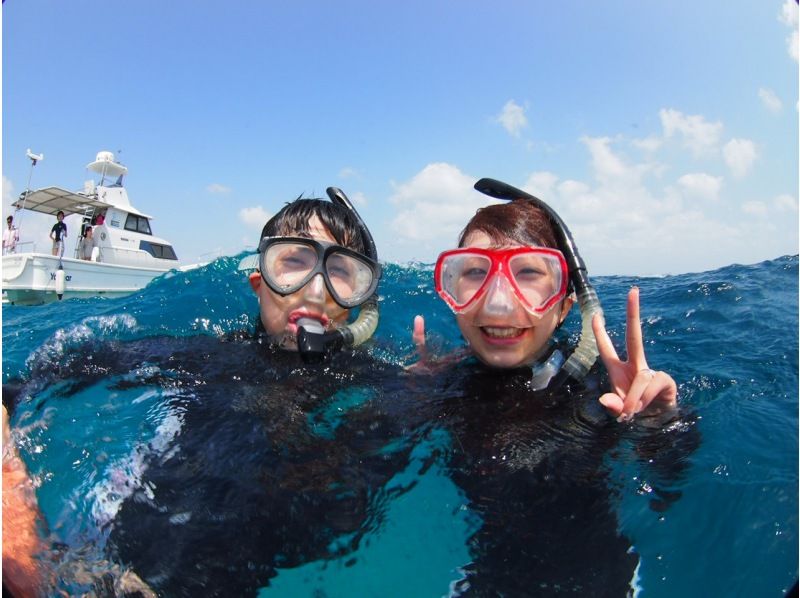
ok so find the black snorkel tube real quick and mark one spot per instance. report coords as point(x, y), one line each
point(314, 345)
point(585, 353)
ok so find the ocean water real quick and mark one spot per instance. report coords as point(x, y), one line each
point(729, 337)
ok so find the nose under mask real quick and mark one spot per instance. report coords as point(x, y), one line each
point(500, 299)
point(315, 289)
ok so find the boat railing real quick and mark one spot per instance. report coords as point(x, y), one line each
point(22, 247)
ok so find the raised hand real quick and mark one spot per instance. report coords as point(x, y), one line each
point(418, 336)
point(636, 388)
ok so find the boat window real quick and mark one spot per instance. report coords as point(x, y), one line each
point(138, 224)
point(164, 252)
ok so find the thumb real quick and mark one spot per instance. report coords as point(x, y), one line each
point(418, 336)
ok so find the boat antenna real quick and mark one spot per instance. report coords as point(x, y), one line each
point(35, 158)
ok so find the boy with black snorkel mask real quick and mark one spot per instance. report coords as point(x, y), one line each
point(316, 261)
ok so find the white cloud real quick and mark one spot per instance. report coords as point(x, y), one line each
point(348, 173)
point(216, 188)
point(254, 217)
point(358, 199)
point(625, 217)
point(699, 135)
point(754, 208)
point(623, 222)
point(512, 118)
point(649, 144)
point(739, 155)
point(540, 184)
point(607, 165)
point(434, 206)
point(770, 100)
point(785, 203)
point(700, 185)
point(611, 169)
point(789, 17)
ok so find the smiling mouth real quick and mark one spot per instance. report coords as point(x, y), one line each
point(502, 333)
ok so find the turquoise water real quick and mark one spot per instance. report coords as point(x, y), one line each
point(729, 337)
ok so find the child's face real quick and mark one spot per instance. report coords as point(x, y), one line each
point(514, 337)
point(280, 314)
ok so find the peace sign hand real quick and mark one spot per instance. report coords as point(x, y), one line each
point(637, 388)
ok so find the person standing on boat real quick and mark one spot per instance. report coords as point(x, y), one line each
point(10, 237)
point(86, 245)
point(59, 235)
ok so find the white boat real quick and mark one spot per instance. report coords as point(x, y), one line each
point(125, 255)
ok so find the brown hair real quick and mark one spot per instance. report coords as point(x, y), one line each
point(518, 221)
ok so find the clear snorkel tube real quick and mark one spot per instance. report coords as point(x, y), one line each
point(585, 354)
point(314, 345)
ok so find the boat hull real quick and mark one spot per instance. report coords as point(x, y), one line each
point(30, 278)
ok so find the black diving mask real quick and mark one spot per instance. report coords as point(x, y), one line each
point(287, 264)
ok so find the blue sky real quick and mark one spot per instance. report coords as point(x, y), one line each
point(664, 133)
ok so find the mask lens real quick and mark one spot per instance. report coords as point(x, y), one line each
point(288, 265)
point(349, 277)
point(537, 276)
point(462, 275)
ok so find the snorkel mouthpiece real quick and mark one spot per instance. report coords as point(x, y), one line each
point(314, 344)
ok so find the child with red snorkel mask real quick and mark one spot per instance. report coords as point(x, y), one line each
point(508, 284)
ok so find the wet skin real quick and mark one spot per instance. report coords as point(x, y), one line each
point(279, 314)
point(510, 336)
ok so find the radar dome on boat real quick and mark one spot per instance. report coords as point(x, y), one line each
point(105, 164)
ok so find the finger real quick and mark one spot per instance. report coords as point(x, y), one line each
point(634, 395)
point(662, 392)
point(633, 332)
point(418, 335)
point(604, 345)
point(613, 403)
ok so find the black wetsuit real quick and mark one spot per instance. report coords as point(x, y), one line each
point(275, 464)
point(59, 228)
point(278, 464)
point(533, 468)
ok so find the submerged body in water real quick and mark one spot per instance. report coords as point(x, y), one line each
point(270, 464)
point(534, 468)
point(266, 463)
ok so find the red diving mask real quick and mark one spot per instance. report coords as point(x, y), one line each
point(537, 276)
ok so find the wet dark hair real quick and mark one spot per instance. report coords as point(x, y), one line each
point(519, 221)
point(293, 218)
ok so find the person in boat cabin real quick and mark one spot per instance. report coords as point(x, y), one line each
point(58, 234)
point(10, 237)
point(86, 245)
